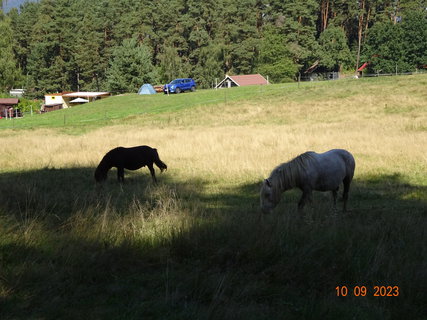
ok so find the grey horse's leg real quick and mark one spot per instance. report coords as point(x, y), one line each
point(334, 196)
point(306, 195)
point(121, 174)
point(153, 173)
point(346, 182)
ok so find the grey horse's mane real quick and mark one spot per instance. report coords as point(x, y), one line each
point(289, 174)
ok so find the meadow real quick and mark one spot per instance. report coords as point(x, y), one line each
point(195, 245)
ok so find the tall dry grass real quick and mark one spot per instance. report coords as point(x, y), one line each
point(385, 132)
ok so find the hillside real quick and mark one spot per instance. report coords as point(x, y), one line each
point(221, 105)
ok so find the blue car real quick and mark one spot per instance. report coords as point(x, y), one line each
point(180, 85)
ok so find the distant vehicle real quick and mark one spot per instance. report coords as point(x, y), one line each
point(180, 85)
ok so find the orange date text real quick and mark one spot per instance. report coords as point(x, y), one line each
point(363, 291)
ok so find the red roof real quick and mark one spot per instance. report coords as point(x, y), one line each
point(9, 101)
point(248, 80)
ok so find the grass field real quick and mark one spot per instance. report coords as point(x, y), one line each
point(195, 246)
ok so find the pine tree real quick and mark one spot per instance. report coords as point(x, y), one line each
point(296, 20)
point(275, 59)
point(334, 52)
point(87, 63)
point(384, 48)
point(238, 36)
point(398, 47)
point(9, 72)
point(46, 60)
point(22, 24)
point(172, 64)
point(130, 67)
point(414, 26)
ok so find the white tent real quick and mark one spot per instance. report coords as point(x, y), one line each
point(79, 100)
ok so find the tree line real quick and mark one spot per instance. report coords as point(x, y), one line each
point(60, 45)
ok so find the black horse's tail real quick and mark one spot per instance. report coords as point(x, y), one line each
point(159, 163)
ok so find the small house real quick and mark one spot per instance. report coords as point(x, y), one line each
point(242, 80)
point(52, 102)
point(8, 108)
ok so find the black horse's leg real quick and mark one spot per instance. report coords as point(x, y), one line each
point(346, 182)
point(153, 173)
point(306, 195)
point(121, 174)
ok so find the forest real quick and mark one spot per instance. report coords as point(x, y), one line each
point(105, 45)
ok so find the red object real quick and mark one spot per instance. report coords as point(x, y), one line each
point(363, 66)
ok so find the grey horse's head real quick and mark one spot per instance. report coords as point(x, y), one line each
point(269, 196)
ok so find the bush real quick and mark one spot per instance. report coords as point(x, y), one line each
point(26, 105)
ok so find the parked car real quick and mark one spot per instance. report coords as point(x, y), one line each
point(180, 85)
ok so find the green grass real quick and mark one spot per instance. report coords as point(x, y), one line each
point(195, 246)
point(148, 109)
point(119, 108)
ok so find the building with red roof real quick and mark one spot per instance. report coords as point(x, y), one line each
point(242, 80)
point(8, 107)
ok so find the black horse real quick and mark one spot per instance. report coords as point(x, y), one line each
point(131, 159)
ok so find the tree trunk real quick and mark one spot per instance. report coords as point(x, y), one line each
point(360, 31)
point(324, 11)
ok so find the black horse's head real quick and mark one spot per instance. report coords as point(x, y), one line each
point(100, 174)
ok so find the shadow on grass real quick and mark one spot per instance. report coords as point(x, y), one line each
point(223, 262)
